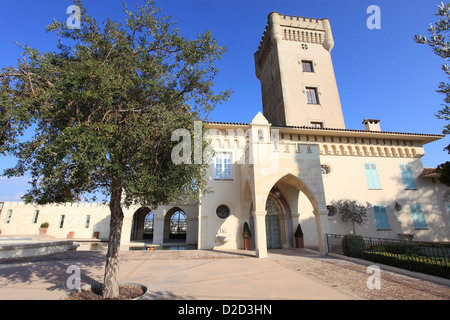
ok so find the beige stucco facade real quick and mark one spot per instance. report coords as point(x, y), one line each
point(284, 168)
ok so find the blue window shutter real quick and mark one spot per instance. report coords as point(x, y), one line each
point(407, 176)
point(373, 180)
point(381, 217)
point(418, 217)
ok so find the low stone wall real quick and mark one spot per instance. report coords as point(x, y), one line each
point(22, 248)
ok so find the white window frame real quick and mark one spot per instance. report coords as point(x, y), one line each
point(220, 165)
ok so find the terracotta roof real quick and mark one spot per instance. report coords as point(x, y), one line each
point(324, 130)
point(429, 172)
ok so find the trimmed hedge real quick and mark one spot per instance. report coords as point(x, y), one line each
point(353, 245)
point(436, 267)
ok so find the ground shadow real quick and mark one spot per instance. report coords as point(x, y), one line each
point(52, 269)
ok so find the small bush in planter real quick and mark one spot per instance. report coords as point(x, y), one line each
point(44, 225)
point(298, 233)
point(299, 237)
point(246, 231)
point(353, 245)
point(247, 235)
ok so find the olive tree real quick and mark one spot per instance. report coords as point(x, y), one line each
point(103, 107)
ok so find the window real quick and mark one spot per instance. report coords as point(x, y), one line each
point(8, 216)
point(178, 223)
point(222, 212)
point(61, 221)
point(222, 165)
point(326, 169)
point(372, 176)
point(1, 207)
point(88, 221)
point(36, 216)
point(307, 66)
point(407, 176)
point(149, 223)
point(332, 211)
point(418, 217)
point(311, 94)
point(381, 217)
point(317, 125)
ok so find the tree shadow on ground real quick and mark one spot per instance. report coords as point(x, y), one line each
point(52, 269)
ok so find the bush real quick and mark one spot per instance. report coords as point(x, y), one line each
point(44, 225)
point(246, 231)
point(353, 245)
point(298, 232)
point(436, 267)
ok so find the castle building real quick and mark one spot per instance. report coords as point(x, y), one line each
point(287, 167)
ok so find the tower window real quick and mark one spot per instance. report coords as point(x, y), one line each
point(312, 96)
point(317, 125)
point(307, 66)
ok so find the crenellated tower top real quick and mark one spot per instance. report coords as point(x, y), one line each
point(293, 63)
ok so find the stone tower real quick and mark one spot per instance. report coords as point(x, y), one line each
point(294, 65)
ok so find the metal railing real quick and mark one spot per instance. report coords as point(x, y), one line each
point(425, 257)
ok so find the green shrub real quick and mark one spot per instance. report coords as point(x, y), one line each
point(44, 225)
point(298, 232)
point(353, 245)
point(436, 267)
point(246, 231)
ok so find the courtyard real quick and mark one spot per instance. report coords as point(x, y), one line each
point(286, 274)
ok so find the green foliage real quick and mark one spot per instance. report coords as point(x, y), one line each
point(246, 233)
point(436, 267)
point(299, 232)
point(44, 225)
point(444, 172)
point(104, 106)
point(353, 245)
point(441, 46)
point(351, 211)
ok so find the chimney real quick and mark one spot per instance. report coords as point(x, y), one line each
point(372, 124)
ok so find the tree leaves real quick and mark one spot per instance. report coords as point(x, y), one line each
point(103, 107)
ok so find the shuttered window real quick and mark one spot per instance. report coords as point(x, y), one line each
point(381, 217)
point(407, 176)
point(373, 180)
point(418, 217)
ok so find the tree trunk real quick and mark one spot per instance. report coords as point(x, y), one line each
point(111, 278)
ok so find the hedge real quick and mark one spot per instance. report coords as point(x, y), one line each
point(438, 267)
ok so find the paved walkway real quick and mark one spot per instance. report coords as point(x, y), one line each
point(291, 274)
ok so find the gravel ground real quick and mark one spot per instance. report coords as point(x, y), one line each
point(351, 278)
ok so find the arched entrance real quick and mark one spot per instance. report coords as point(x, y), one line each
point(142, 226)
point(273, 238)
point(277, 222)
point(175, 226)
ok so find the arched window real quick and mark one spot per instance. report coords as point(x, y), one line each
point(178, 224)
point(148, 225)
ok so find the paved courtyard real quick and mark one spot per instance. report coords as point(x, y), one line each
point(288, 274)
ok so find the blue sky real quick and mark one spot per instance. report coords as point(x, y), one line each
point(381, 74)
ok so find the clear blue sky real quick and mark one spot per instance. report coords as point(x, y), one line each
point(381, 74)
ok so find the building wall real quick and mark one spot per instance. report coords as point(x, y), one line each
point(21, 222)
point(342, 183)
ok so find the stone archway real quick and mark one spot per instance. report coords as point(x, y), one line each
point(140, 226)
point(175, 226)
